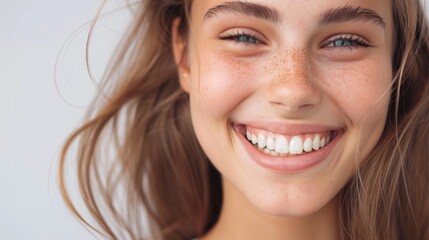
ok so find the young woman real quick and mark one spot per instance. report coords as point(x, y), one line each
point(262, 119)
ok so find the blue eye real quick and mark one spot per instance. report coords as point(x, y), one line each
point(347, 41)
point(242, 38)
point(342, 43)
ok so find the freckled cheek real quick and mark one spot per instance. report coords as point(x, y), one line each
point(222, 84)
point(360, 91)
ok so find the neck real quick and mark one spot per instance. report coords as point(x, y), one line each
point(239, 219)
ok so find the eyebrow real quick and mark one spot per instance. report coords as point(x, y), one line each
point(350, 13)
point(245, 8)
point(334, 15)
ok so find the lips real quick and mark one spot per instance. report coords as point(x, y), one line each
point(290, 148)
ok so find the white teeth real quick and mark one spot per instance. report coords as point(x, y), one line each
point(281, 145)
point(261, 140)
point(322, 142)
point(249, 136)
point(254, 139)
point(316, 142)
point(308, 145)
point(295, 145)
point(270, 143)
point(266, 151)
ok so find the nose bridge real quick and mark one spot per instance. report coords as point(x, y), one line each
point(292, 83)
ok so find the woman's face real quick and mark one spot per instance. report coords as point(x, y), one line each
point(306, 81)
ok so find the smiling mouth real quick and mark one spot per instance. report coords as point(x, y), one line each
point(276, 144)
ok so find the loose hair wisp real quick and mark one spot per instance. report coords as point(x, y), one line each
point(156, 169)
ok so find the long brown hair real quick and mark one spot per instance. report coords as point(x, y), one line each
point(157, 171)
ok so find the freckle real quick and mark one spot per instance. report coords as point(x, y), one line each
point(286, 194)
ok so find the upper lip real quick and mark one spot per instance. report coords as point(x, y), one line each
point(289, 128)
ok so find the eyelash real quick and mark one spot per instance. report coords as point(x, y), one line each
point(338, 42)
point(241, 37)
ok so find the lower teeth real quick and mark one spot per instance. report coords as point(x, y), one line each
point(273, 153)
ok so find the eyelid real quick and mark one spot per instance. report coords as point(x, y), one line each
point(232, 32)
point(363, 42)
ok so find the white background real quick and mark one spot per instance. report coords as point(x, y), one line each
point(35, 115)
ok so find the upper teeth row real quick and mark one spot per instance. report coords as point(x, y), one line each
point(281, 145)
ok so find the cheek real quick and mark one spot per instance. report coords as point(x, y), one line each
point(221, 83)
point(360, 90)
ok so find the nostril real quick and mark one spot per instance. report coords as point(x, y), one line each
point(292, 107)
point(292, 98)
point(305, 106)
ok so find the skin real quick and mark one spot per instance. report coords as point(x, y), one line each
point(290, 77)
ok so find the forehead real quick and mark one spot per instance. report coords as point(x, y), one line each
point(288, 11)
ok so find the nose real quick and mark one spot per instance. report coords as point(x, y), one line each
point(293, 85)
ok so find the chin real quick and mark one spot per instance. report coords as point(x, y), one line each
point(298, 207)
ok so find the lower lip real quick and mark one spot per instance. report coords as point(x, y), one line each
point(288, 164)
